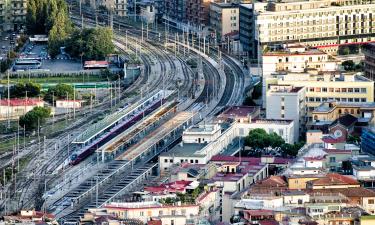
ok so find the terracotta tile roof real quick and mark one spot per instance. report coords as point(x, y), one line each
point(268, 222)
point(348, 192)
point(260, 212)
point(334, 179)
point(346, 120)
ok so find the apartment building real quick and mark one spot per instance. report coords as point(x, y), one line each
point(369, 62)
point(12, 14)
point(118, 7)
point(198, 13)
point(327, 86)
point(224, 18)
point(295, 58)
point(324, 23)
point(287, 102)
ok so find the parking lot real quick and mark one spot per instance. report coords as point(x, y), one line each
point(62, 63)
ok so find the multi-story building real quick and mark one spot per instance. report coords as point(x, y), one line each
point(175, 12)
point(330, 111)
point(287, 102)
point(118, 7)
point(323, 23)
point(224, 18)
point(368, 141)
point(297, 59)
point(327, 86)
point(12, 14)
point(369, 63)
point(198, 13)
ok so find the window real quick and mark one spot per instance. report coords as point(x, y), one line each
point(350, 90)
point(141, 213)
point(331, 90)
point(311, 89)
point(160, 212)
point(350, 99)
point(363, 99)
point(317, 99)
point(337, 90)
point(282, 116)
point(371, 201)
point(183, 211)
point(344, 99)
point(363, 90)
point(343, 90)
point(173, 212)
point(324, 89)
point(282, 107)
point(181, 160)
point(191, 161)
point(332, 159)
point(356, 90)
point(356, 99)
point(171, 160)
point(166, 160)
point(196, 161)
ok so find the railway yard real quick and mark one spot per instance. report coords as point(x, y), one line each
point(89, 165)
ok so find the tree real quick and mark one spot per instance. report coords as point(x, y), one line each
point(34, 117)
point(60, 91)
point(91, 43)
point(257, 91)
point(348, 65)
point(20, 89)
point(259, 139)
point(59, 33)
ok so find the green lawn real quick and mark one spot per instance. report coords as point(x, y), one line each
point(70, 79)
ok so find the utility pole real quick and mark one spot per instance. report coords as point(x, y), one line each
point(8, 101)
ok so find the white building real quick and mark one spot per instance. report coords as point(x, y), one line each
point(14, 108)
point(287, 102)
point(296, 59)
point(69, 104)
point(201, 153)
point(201, 133)
point(295, 197)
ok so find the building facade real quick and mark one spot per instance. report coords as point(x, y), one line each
point(369, 63)
point(12, 14)
point(324, 23)
point(329, 86)
point(287, 102)
point(224, 19)
point(368, 141)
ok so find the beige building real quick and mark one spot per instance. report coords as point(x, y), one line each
point(297, 59)
point(327, 86)
point(224, 18)
point(331, 111)
point(323, 23)
point(12, 14)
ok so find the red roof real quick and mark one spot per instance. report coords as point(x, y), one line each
point(317, 158)
point(20, 102)
point(335, 179)
point(252, 160)
point(227, 158)
point(259, 212)
point(268, 222)
point(331, 140)
point(337, 151)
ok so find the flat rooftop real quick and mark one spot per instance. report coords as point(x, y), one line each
point(185, 150)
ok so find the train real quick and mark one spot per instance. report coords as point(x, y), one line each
point(76, 158)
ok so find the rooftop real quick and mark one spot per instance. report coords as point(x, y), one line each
point(185, 150)
point(21, 102)
point(287, 52)
point(334, 179)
